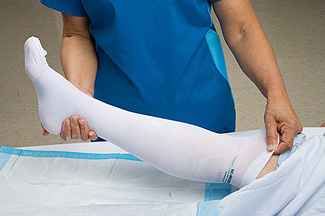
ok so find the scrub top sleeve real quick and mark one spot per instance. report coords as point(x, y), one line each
point(72, 7)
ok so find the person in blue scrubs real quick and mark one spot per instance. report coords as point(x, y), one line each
point(164, 58)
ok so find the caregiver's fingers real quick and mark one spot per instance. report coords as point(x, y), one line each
point(288, 131)
point(286, 140)
point(75, 129)
point(93, 135)
point(271, 134)
point(86, 133)
point(66, 130)
point(84, 130)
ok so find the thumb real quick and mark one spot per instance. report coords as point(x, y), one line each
point(271, 136)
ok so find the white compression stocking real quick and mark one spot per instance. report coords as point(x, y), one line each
point(179, 149)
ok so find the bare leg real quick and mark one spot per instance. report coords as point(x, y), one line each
point(269, 167)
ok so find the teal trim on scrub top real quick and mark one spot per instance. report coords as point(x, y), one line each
point(213, 41)
point(159, 57)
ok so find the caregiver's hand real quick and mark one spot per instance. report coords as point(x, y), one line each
point(75, 128)
point(281, 118)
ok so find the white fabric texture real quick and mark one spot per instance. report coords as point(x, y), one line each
point(179, 149)
point(297, 187)
point(35, 183)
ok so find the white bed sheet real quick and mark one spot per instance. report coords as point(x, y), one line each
point(24, 176)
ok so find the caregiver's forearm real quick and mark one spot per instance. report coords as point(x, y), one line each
point(78, 55)
point(256, 58)
point(245, 37)
point(254, 54)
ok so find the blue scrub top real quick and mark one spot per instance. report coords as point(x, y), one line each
point(159, 57)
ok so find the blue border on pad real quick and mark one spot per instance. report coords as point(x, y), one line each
point(216, 191)
point(76, 155)
point(3, 159)
point(213, 192)
point(208, 208)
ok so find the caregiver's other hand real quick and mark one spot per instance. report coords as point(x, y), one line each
point(281, 118)
point(75, 128)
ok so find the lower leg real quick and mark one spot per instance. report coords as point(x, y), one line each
point(270, 166)
point(276, 160)
point(176, 148)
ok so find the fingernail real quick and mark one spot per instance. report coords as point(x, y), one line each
point(74, 119)
point(81, 122)
point(67, 123)
point(270, 147)
point(91, 134)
